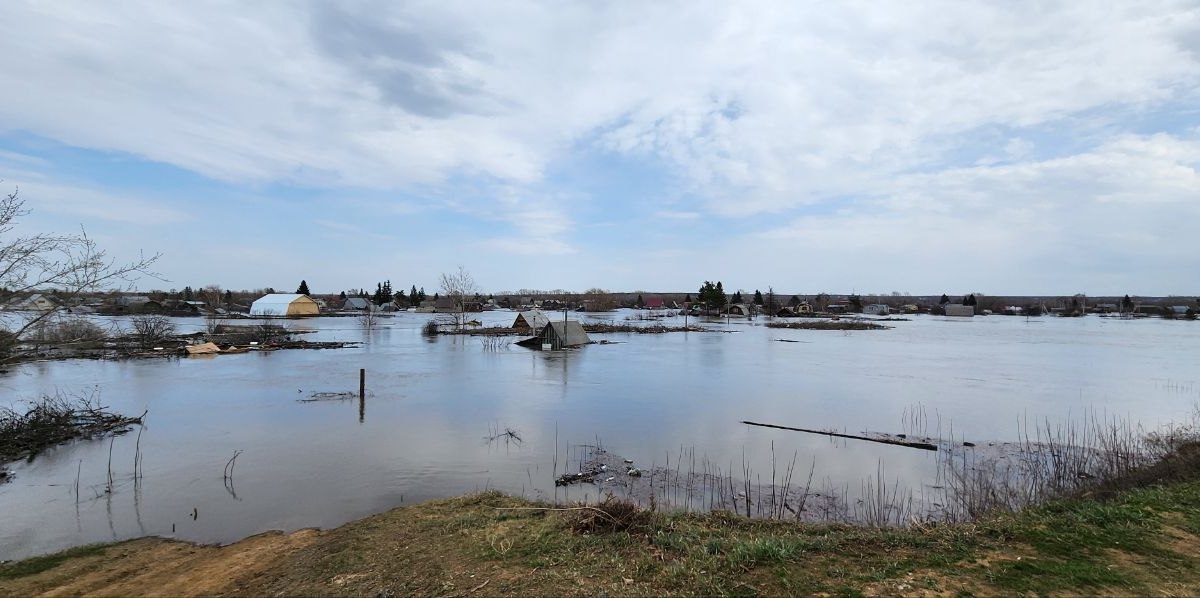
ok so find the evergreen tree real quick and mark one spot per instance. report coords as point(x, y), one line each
point(412, 295)
point(794, 301)
point(970, 300)
point(1126, 304)
point(303, 288)
point(687, 298)
point(944, 300)
point(706, 292)
point(422, 294)
point(640, 303)
point(737, 297)
point(719, 298)
point(758, 300)
point(342, 296)
point(228, 298)
point(187, 294)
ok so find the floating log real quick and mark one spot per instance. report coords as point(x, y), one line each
point(925, 446)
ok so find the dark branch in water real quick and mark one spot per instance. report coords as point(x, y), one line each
point(55, 420)
point(917, 445)
point(828, 325)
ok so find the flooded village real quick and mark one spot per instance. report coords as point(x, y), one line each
point(599, 298)
point(405, 404)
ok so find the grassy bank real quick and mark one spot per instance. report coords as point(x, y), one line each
point(1138, 541)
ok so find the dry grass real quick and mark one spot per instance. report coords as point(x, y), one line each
point(1142, 543)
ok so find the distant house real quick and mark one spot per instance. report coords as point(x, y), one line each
point(358, 303)
point(877, 309)
point(532, 320)
point(36, 302)
point(1105, 308)
point(804, 308)
point(654, 303)
point(910, 308)
point(960, 311)
point(284, 305)
point(738, 309)
point(128, 301)
point(183, 308)
point(558, 335)
point(1179, 310)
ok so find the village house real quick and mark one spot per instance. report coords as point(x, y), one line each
point(877, 309)
point(284, 305)
point(557, 335)
point(531, 321)
point(36, 302)
point(738, 309)
point(960, 311)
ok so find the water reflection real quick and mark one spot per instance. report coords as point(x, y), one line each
point(649, 398)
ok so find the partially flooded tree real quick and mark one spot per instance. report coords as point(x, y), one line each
point(151, 330)
point(457, 287)
point(598, 299)
point(69, 265)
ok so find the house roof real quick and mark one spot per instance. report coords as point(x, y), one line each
point(534, 318)
point(356, 303)
point(280, 298)
point(654, 302)
point(570, 333)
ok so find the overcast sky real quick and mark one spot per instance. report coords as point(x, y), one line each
point(999, 147)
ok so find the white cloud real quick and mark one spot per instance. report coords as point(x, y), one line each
point(782, 102)
point(1112, 216)
point(92, 204)
point(877, 114)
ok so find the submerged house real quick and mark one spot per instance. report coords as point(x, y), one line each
point(356, 303)
point(738, 309)
point(284, 305)
point(961, 311)
point(558, 335)
point(877, 309)
point(533, 321)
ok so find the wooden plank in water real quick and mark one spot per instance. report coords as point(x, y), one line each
point(925, 446)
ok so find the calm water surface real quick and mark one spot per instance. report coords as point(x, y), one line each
point(432, 402)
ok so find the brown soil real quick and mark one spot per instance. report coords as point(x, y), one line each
point(158, 567)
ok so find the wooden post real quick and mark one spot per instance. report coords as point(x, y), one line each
point(362, 395)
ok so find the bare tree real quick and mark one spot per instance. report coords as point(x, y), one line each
point(457, 287)
point(70, 265)
point(369, 318)
point(150, 330)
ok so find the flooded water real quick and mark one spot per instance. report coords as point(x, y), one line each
point(432, 402)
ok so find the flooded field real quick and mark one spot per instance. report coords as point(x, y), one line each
point(438, 408)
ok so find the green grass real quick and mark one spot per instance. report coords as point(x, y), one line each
point(38, 564)
point(1129, 544)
